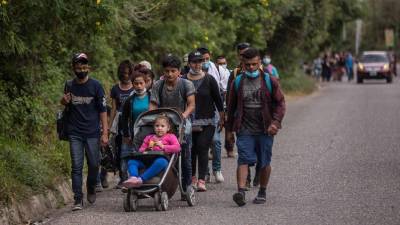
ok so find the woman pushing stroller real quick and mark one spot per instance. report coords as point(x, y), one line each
point(162, 140)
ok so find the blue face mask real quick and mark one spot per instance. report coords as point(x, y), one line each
point(252, 74)
point(206, 65)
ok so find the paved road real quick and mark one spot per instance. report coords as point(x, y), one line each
point(336, 161)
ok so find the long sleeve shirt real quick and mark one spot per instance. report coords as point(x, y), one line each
point(169, 141)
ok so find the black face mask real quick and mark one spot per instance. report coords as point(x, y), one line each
point(81, 75)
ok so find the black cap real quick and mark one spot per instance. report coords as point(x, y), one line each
point(203, 50)
point(195, 56)
point(242, 46)
point(80, 58)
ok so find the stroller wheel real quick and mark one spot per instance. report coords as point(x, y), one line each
point(164, 201)
point(130, 202)
point(157, 201)
point(191, 196)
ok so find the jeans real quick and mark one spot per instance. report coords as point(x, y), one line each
point(159, 164)
point(216, 151)
point(186, 156)
point(201, 144)
point(79, 147)
point(125, 150)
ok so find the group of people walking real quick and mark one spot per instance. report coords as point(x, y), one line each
point(246, 101)
point(333, 67)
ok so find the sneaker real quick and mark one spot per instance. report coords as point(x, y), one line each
point(201, 185)
point(239, 198)
point(218, 177)
point(208, 178)
point(230, 154)
point(99, 188)
point(104, 183)
point(260, 199)
point(194, 182)
point(130, 183)
point(78, 205)
point(119, 185)
point(91, 195)
point(210, 155)
point(248, 186)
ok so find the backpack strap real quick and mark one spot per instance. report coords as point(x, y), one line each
point(267, 78)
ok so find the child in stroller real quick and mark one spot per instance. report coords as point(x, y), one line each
point(162, 140)
point(160, 157)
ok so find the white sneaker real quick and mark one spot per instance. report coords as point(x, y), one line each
point(218, 177)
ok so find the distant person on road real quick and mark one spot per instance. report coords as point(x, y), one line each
point(326, 68)
point(349, 66)
point(268, 67)
point(86, 100)
point(255, 120)
point(317, 68)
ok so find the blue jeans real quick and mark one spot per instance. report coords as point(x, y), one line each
point(216, 151)
point(159, 164)
point(186, 156)
point(79, 147)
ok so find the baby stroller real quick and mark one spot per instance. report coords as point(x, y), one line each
point(162, 187)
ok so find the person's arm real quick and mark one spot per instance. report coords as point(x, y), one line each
point(153, 106)
point(113, 111)
point(215, 94)
point(104, 124)
point(279, 108)
point(191, 106)
point(145, 144)
point(172, 145)
point(231, 107)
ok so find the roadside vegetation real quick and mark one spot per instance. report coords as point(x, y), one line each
point(38, 37)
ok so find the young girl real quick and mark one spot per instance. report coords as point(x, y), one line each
point(162, 140)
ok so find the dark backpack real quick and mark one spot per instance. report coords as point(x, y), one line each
point(62, 116)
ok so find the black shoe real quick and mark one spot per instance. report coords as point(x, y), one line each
point(91, 195)
point(78, 205)
point(239, 198)
point(260, 199)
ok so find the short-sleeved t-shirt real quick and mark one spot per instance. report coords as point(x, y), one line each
point(87, 102)
point(175, 98)
point(252, 113)
point(120, 96)
point(139, 105)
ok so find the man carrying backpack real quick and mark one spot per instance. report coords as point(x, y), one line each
point(254, 96)
point(87, 108)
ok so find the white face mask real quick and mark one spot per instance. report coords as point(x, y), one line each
point(141, 92)
point(266, 60)
point(194, 72)
point(224, 66)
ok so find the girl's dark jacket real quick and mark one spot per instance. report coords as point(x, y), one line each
point(127, 122)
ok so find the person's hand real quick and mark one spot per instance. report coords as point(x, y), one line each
point(221, 121)
point(126, 140)
point(104, 140)
point(159, 144)
point(66, 98)
point(272, 130)
point(230, 137)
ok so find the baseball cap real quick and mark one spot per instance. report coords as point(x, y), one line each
point(195, 56)
point(242, 46)
point(80, 58)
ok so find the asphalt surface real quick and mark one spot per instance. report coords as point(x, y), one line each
point(336, 161)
